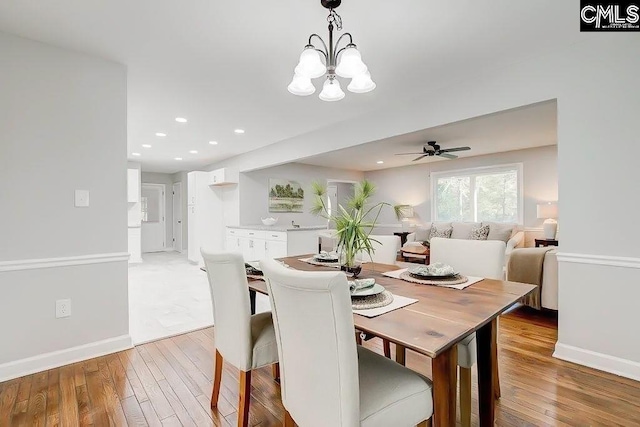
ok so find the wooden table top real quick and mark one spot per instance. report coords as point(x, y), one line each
point(441, 317)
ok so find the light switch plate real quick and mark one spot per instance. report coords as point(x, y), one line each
point(82, 198)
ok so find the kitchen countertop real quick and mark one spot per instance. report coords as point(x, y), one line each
point(277, 227)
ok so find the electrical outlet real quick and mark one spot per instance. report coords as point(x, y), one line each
point(81, 198)
point(63, 308)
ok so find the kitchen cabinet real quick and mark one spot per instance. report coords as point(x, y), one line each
point(224, 176)
point(256, 244)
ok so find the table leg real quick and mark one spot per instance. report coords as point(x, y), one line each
point(401, 354)
point(445, 384)
point(487, 368)
point(252, 301)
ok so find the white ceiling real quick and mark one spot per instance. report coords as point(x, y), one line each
point(226, 65)
point(517, 129)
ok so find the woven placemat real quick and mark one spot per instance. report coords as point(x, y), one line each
point(455, 280)
point(372, 301)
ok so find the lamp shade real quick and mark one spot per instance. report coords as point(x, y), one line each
point(547, 210)
point(331, 90)
point(350, 64)
point(301, 86)
point(362, 83)
point(406, 212)
point(310, 64)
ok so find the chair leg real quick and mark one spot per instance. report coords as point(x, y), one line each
point(358, 338)
point(245, 398)
point(387, 348)
point(465, 396)
point(288, 421)
point(217, 377)
point(275, 370)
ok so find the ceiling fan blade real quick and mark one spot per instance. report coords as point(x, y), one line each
point(448, 156)
point(424, 155)
point(450, 150)
point(404, 154)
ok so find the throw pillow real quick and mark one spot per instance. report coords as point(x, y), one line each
point(445, 232)
point(499, 231)
point(479, 233)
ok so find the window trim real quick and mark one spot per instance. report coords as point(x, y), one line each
point(481, 170)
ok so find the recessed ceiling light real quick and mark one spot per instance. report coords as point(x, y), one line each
point(160, 134)
point(193, 151)
point(213, 142)
point(178, 158)
point(379, 162)
point(135, 154)
point(239, 131)
point(181, 120)
point(146, 145)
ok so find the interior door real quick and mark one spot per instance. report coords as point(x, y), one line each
point(153, 225)
point(177, 217)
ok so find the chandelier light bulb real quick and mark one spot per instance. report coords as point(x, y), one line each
point(350, 64)
point(331, 90)
point(310, 64)
point(301, 86)
point(362, 83)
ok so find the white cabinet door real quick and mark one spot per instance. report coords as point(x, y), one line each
point(276, 249)
point(193, 241)
point(233, 244)
point(259, 249)
point(191, 188)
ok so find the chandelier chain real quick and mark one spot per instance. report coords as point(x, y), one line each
point(336, 19)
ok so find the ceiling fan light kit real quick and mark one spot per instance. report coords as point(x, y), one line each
point(344, 61)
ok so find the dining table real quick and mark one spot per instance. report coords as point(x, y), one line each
point(433, 326)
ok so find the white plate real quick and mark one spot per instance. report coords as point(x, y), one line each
point(374, 290)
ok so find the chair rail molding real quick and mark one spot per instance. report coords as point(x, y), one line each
point(31, 264)
point(612, 261)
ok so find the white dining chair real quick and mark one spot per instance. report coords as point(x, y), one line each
point(385, 249)
point(245, 341)
point(479, 258)
point(327, 380)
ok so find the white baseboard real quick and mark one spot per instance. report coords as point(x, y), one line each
point(55, 359)
point(603, 362)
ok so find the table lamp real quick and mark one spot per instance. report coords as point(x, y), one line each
point(406, 213)
point(549, 212)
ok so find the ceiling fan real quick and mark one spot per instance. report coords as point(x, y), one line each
point(433, 149)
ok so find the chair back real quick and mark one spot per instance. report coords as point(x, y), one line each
point(231, 306)
point(480, 258)
point(386, 249)
point(314, 328)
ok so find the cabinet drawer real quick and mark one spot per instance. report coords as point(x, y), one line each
point(251, 234)
point(233, 232)
point(280, 236)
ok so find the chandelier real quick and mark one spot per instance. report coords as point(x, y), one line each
point(344, 62)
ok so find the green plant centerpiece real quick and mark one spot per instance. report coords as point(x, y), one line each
point(354, 222)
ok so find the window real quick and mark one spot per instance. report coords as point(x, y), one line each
point(479, 194)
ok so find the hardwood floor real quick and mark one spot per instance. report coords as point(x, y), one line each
point(168, 383)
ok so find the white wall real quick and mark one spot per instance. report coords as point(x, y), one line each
point(412, 184)
point(63, 128)
point(167, 180)
point(254, 191)
point(595, 84)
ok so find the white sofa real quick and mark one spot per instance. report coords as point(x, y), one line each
point(511, 234)
point(549, 292)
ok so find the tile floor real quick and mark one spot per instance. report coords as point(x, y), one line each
point(168, 296)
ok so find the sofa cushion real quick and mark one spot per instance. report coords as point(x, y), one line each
point(440, 232)
point(423, 233)
point(462, 230)
point(500, 231)
point(479, 233)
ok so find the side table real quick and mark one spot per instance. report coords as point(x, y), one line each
point(403, 236)
point(546, 242)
